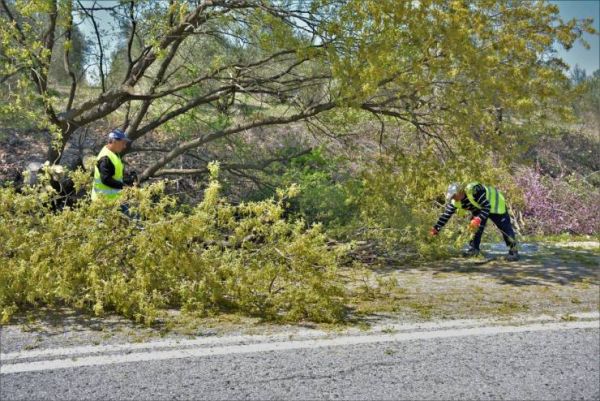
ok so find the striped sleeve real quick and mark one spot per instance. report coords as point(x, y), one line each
point(448, 212)
point(481, 198)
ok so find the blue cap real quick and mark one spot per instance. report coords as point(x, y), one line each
point(117, 134)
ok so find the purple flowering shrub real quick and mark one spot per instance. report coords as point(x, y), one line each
point(558, 205)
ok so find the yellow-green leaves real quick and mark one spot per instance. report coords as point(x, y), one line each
point(245, 258)
point(460, 58)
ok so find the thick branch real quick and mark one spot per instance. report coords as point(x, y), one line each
point(67, 48)
point(131, 38)
point(233, 166)
point(187, 27)
point(109, 101)
point(14, 21)
point(182, 148)
point(157, 81)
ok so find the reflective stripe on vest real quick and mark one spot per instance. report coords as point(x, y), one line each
point(495, 197)
point(104, 190)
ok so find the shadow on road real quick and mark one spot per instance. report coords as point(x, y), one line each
point(538, 265)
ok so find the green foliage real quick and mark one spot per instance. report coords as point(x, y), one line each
point(323, 189)
point(449, 69)
point(472, 78)
point(218, 257)
point(473, 67)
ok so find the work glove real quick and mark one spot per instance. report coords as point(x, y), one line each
point(130, 178)
point(434, 231)
point(475, 223)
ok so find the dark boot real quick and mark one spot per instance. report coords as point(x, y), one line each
point(513, 255)
point(471, 252)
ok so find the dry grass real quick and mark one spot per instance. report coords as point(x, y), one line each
point(551, 280)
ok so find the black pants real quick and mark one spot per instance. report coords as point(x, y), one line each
point(502, 221)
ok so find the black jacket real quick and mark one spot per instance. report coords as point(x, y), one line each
point(107, 170)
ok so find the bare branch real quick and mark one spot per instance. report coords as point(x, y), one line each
point(110, 100)
point(131, 37)
point(157, 81)
point(185, 146)
point(233, 166)
point(192, 21)
point(67, 48)
point(211, 97)
point(99, 41)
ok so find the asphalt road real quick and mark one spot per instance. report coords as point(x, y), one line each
point(558, 361)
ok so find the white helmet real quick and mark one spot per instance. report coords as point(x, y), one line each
point(452, 190)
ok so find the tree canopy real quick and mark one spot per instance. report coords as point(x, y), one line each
point(444, 70)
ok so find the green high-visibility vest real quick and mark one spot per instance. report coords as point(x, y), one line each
point(99, 189)
point(495, 197)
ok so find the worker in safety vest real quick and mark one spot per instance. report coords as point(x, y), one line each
point(482, 202)
point(109, 177)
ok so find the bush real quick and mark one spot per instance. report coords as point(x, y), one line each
point(558, 205)
point(217, 257)
point(324, 186)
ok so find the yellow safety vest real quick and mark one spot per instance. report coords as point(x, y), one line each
point(495, 197)
point(99, 189)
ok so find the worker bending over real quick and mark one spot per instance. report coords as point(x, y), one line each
point(483, 202)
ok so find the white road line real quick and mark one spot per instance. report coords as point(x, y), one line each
point(285, 345)
point(241, 339)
